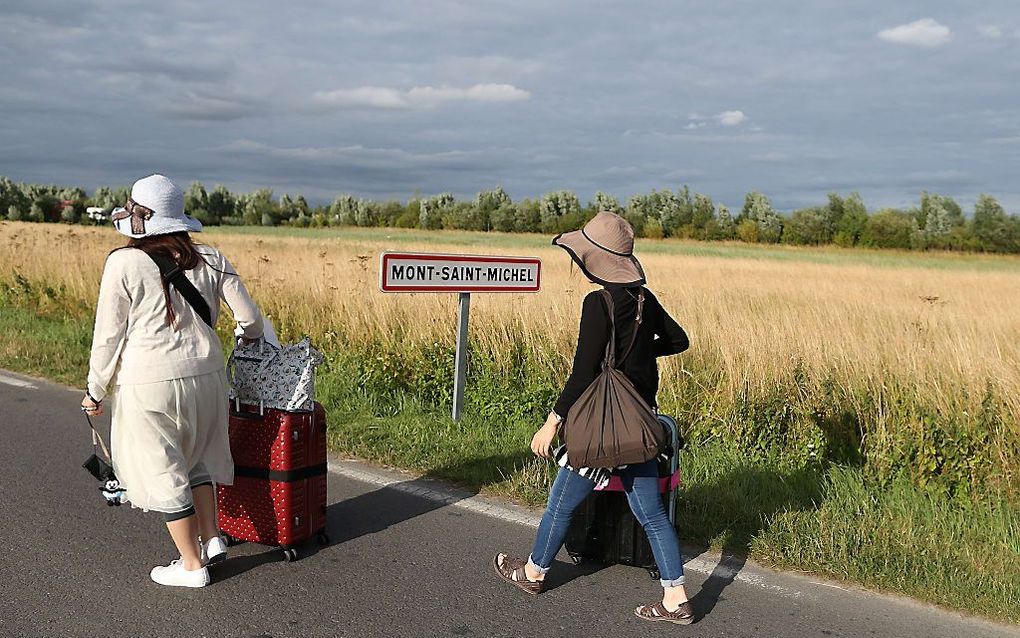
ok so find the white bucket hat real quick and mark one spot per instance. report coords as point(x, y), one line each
point(156, 207)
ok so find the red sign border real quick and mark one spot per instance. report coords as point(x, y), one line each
point(385, 257)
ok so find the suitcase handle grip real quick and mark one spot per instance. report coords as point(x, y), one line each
point(235, 410)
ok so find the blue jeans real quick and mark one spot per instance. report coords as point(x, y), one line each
point(641, 483)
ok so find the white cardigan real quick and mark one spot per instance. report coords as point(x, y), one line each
point(133, 343)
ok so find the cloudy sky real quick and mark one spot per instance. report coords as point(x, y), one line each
point(387, 99)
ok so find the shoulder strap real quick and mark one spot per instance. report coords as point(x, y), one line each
point(174, 275)
point(97, 440)
point(610, 360)
point(637, 323)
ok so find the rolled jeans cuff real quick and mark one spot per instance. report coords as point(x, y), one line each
point(537, 568)
point(671, 583)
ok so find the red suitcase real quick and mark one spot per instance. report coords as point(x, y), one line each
point(279, 493)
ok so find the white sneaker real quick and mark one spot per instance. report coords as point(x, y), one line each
point(214, 550)
point(174, 575)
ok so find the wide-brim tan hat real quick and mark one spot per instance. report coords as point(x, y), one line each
point(604, 251)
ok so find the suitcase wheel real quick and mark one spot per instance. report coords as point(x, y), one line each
point(322, 538)
point(576, 559)
point(290, 555)
point(654, 573)
point(230, 540)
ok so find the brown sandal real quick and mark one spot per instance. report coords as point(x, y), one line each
point(684, 614)
point(512, 571)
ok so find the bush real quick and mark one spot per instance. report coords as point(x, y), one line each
point(366, 213)
point(36, 213)
point(432, 209)
point(389, 213)
point(411, 215)
point(758, 208)
point(464, 216)
point(850, 223)
point(810, 226)
point(603, 202)
point(637, 219)
point(653, 229)
point(559, 211)
point(504, 218)
point(202, 216)
point(70, 214)
point(890, 228)
point(529, 219)
point(747, 231)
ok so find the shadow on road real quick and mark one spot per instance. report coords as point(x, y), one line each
point(238, 565)
point(377, 510)
point(734, 508)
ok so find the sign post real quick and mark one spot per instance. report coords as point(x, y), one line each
point(463, 274)
point(463, 311)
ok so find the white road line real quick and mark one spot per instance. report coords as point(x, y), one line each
point(16, 382)
point(436, 494)
point(510, 514)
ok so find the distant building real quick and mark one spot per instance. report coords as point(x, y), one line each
point(96, 214)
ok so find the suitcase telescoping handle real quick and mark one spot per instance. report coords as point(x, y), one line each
point(237, 411)
point(674, 461)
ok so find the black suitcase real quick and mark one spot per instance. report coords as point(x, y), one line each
point(604, 529)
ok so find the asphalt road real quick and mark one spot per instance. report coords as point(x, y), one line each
point(399, 565)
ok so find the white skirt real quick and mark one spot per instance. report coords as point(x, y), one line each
point(167, 431)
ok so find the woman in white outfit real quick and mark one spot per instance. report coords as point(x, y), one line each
point(162, 367)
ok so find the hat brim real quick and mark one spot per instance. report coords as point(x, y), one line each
point(159, 226)
point(600, 265)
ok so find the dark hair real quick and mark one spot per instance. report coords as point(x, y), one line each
point(179, 248)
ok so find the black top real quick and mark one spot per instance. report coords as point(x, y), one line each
point(658, 336)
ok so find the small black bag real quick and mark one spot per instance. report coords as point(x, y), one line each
point(99, 468)
point(113, 492)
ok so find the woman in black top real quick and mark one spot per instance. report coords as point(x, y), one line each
point(658, 336)
point(604, 252)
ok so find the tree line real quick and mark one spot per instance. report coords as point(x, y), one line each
point(936, 222)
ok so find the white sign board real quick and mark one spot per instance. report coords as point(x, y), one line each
point(464, 274)
point(425, 272)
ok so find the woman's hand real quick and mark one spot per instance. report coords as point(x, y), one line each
point(91, 407)
point(543, 439)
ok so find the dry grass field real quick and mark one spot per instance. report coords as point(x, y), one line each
point(865, 325)
point(947, 332)
point(949, 328)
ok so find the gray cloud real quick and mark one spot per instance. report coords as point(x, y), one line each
point(533, 95)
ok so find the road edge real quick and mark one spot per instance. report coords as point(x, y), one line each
point(787, 583)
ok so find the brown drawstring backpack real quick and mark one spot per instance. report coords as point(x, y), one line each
point(610, 424)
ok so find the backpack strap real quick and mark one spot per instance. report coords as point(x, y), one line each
point(174, 275)
point(637, 323)
point(610, 359)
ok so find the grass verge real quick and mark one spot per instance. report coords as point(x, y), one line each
point(834, 521)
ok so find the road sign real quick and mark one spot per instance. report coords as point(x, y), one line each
point(464, 274)
point(424, 272)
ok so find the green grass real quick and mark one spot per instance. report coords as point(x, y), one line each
point(834, 519)
point(487, 242)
